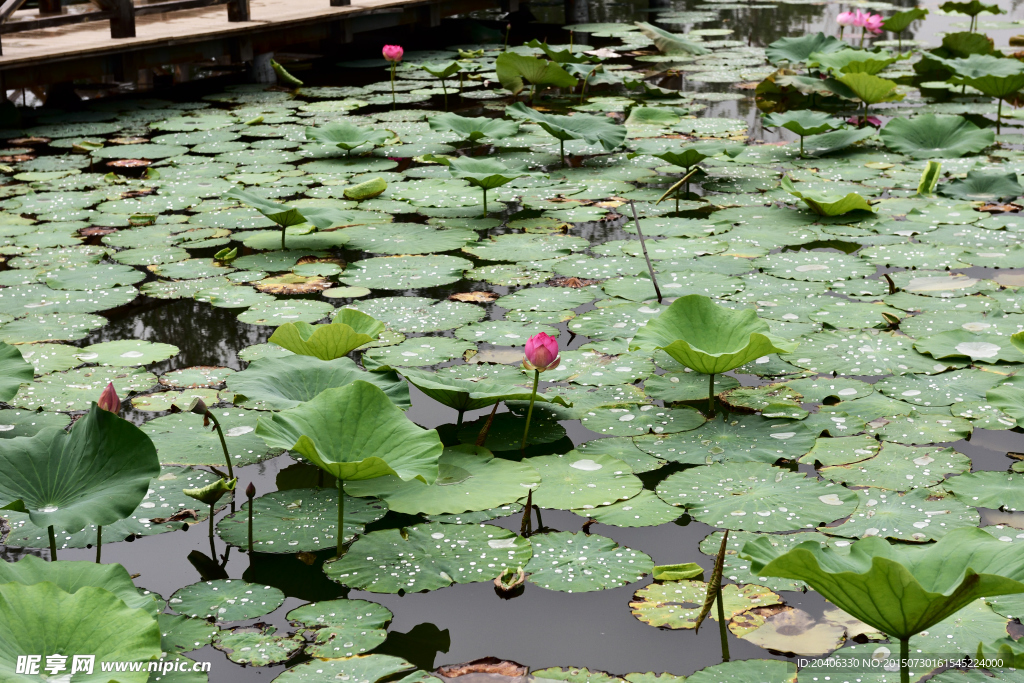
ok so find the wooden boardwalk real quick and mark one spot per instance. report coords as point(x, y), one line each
point(87, 51)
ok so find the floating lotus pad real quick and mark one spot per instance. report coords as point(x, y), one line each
point(577, 480)
point(747, 438)
point(182, 440)
point(342, 628)
point(577, 563)
point(225, 600)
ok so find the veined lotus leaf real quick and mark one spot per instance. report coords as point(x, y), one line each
point(986, 348)
point(797, 50)
point(282, 383)
point(225, 600)
point(737, 570)
point(465, 395)
point(996, 490)
point(649, 116)
point(594, 130)
point(359, 669)
point(580, 562)
point(72, 576)
point(469, 479)
point(355, 432)
point(298, 520)
point(971, 9)
point(512, 69)
point(44, 619)
point(257, 646)
point(755, 497)
point(683, 571)
point(181, 439)
point(473, 128)
point(671, 43)
point(676, 604)
point(109, 460)
point(827, 205)
point(733, 438)
point(865, 87)
point(342, 628)
point(900, 468)
point(923, 428)
point(901, 21)
point(1008, 397)
point(428, 556)
point(708, 338)
point(442, 70)
point(802, 121)
point(284, 215)
point(686, 156)
point(827, 143)
point(348, 136)
point(643, 509)
point(184, 634)
point(991, 188)
point(900, 589)
point(861, 353)
point(761, 670)
point(582, 480)
point(933, 135)
point(918, 516)
point(14, 371)
point(852, 61)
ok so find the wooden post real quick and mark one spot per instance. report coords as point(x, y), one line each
point(238, 10)
point(122, 24)
point(340, 3)
point(50, 7)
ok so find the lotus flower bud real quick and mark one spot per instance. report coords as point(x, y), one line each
point(845, 19)
point(250, 490)
point(393, 53)
point(541, 353)
point(109, 400)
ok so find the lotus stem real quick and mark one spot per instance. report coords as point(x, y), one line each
point(213, 548)
point(341, 518)
point(53, 543)
point(722, 628)
point(583, 90)
point(485, 202)
point(508, 29)
point(801, 146)
point(220, 432)
point(445, 88)
point(319, 478)
point(899, 40)
point(540, 522)
point(393, 85)
point(529, 411)
point(841, 29)
point(250, 525)
point(99, 542)
point(643, 247)
point(711, 395)
point(561, 150)
point(284, 230)
point(999, 114)
point(461, 414)
point(904, 654)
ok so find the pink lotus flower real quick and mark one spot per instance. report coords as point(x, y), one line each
point(845, 19)
point(393, 53)
point(541, 353)
point(109, 400)
point(873, 23)
point(870, 121)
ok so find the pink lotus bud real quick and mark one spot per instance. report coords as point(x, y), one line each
point(109, 400)
point(393, 53)
point(845, 19)
point(541, 353)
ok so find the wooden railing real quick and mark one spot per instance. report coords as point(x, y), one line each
point(120, 13)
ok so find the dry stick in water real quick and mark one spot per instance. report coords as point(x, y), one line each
point(482, 438)
point(650, 269)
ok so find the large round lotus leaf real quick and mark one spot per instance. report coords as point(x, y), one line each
point(506, 430)
point(342, 628)
point(944, 389)
point(184, 634)
point(502, 332)
point(406, 238)
point(930, 136)
point(232, 296)
point(274, 313)
point(127, 352)
point(677, 604)
point(360, 669)
point(47, 358)
point(469, 479)
point(29, 423)
point(76, 389)
point(164, 508)
point(164, 400)
point(464, 394)
point(818, 389)
point(181, 439)
point(622, 448)
point(937, 284)
point(139, 151)
point(196, 377)
point(621, 321)
point(996, 490)
point(35, 300)
point(546, 299)
point(672, 285)
point(578, 480)
point(410, 314)
point(298, 520)
point(841, 450)
point(281, 383)
point(674, 248)
point(110, 460)
point(418, 352)
point(257, 646)
point(14, 371)
point(864, 353)
point(923, 428)
point(525, 247)
point(772, 400)
point(91, 277)
point(150, 256)
point(676, 387)
point(920, 515)
point(634, 420)
point(578, 563)
point(42, 618)
point(225, 600)
point(593, 368)
point(958, 344)
point(853, 315)
point(814, 265)
point(508, 275)
point(599, 268)
point(643, 509)
point(756, 497)
point(900, 468)
point(405, 272)
point(708, 338)
point(734, 438)
point(428, 556)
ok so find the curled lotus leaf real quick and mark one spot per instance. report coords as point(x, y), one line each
point(347, 331)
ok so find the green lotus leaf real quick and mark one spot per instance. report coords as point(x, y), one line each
point(708, 338)
point(349, 330)
point(900, 590)
point(595, 130)
point(513, 69)
point(971, 9)
point(347, 135)
point(990, 188)
point(442, 70)
point(1009, 398)
point(563, 56)
point(848, 61)
point(367, 189)
point(687, 156)
point(834, 141)
point(473, 128)
point(866, 88)
point(465, 395)
point(980, 65)
point(355, 432)
point(285, 215)
point(484, 173)
point(901, 21)
point(802, 121)
point(933, 135)
point(582, 562)
point(213, 492)
point(797, 50)
point(225, 600)
point(44, 619)
point(671, 43)
point(342, 628)
point(827, 205)
point(14, 371)
point(98, 473)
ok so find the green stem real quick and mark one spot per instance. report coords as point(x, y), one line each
point(284, 230)
point(904, 654)
point(722, 628)
point(99, 542)
point(393, 84)
point(999, 114)
point(485, 201)
point(220, 432)
point(250, 526)
point(561, 150)
point(341, 518)
point(53, 543)
point(213, 548)
point(445, 88)
point(801, 146)
point(461, 414)
point(711, 395)
point(529, 412)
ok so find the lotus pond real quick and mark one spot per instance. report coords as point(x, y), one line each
point(791, 408)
